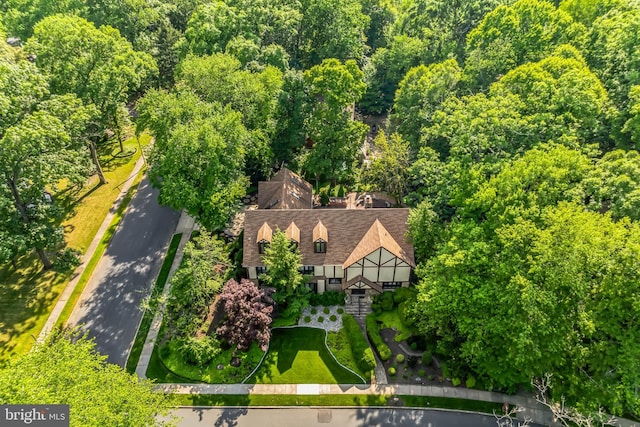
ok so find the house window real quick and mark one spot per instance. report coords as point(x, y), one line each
point(261, 270)
point(307, 269)
point(358, 292)
point(262, 246)
point(391, 285)
point(320, 247)
point(335, 281)
point(313, 287)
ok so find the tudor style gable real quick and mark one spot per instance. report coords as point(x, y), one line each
point(379, 259)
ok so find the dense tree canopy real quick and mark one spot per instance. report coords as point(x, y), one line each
point(96, 64)
point(333, 89)
point(198, 159)
point(512, 35)
point(40, 145)
point(97, 393)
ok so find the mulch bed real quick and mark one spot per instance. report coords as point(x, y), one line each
point(407, 372)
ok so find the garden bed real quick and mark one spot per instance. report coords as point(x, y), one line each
point(406, 371)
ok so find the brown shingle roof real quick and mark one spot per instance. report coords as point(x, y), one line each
point(286, 190)
point(347, 227)
point(376, 237)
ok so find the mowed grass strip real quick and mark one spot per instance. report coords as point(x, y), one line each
point(149, 313)
point(299, 356)
point(335, 400)
point(28, 293)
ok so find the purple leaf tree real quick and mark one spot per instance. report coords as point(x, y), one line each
point(247, 314)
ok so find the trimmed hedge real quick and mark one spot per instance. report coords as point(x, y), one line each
point(359, 347)
point(373, 331)
point(327, 298)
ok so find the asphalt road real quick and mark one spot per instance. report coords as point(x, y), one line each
point(331, 417)
point(109, 308)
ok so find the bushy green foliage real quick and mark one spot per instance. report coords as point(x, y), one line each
point(404, 294)
point(340, 310)
point(333, 318)
point(373, 331)
point(362, 353)
point(404, 313)
point(307, 319)
point(471, 381)
point(327, 298)
point(314, 310)
point(198, 351)
point(68, 370)
point(320, 319)
point(455, 381)
point(400, 358)
point(326, 310)
point(391, 371)
point(382, 302)
point(427, 358)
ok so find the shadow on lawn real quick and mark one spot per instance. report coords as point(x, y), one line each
point(26, 296)
point(286, 345)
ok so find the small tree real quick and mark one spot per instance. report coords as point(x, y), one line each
point(248, 315)
point(283, 261)
point(197, 281)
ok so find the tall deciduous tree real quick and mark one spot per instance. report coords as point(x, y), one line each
point(443, 25)
point(422, 90)
point(388, 170)
point(201, 167)
point(96, 64)
point(40, 145)
point(97, 393)
point(333, 89)
point(219, 79)
point(331, 29)
point(247, 315)
point(512, 35)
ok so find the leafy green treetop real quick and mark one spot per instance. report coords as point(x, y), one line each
point(66, 369)
point(283, 261)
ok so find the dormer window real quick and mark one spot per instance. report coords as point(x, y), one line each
point(265, 234)
point(320, 238)
point(293, 234)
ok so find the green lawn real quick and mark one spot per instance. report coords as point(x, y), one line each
point(28, 294)
point(299, 356)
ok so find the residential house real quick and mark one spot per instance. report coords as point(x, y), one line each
point(361, 251)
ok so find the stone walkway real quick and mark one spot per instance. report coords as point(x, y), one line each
point(326, 323)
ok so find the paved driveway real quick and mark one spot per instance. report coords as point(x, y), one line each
point(109, 308)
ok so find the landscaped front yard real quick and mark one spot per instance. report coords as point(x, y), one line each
point(299, 356)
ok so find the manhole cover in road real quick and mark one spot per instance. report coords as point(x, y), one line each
point(324, 416)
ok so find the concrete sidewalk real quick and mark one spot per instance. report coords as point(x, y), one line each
point(531, 409)
point(68, 290)
point(186, 225)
